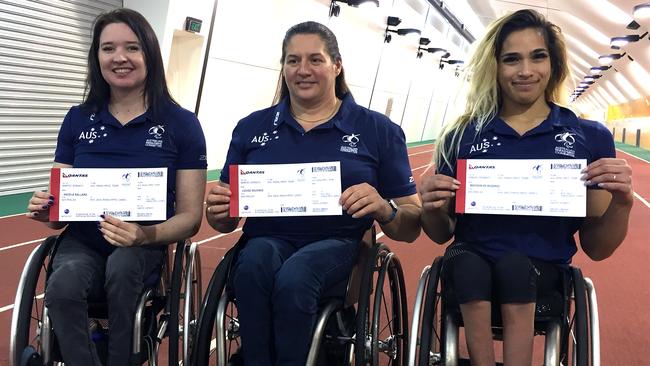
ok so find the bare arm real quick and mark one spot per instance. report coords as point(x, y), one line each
point(363, 200)
point(608, 209)
point(190, 185)
point(406, 224)
point(437, 192)
point(40, 203)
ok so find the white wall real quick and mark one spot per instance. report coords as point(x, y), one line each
point(243, 66)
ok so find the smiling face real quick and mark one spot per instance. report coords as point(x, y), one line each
point(121, 58)
point(524, 68)
point(309, 72)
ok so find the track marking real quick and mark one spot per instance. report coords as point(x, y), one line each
point(9, 307)
point(634, 156)
point(22, 244)
point(641, 199)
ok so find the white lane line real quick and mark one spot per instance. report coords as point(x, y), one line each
point(14, 215)
point(634, 156)
point(217, 237)
point(22, 244)
point(642, 199)
point(9, 307)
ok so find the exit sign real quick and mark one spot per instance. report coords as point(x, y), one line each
point(193, 24)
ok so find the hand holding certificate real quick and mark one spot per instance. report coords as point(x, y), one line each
point(309, 189)
point(138, 194)
point(548, 187)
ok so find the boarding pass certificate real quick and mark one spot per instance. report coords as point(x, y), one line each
point(138, 194)
point(548, 187)
point(311, 189)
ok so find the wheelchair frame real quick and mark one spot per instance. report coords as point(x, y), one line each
point(358, 340)
point(30, 325)
point(569, 339)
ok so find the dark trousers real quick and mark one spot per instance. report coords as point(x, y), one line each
point(278, 285)
point(81, 274)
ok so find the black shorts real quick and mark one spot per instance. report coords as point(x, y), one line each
point(513, 278)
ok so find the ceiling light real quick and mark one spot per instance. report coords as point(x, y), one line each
point(624, 40)
point(598, 69)
point(608, 59)
point(642, 11)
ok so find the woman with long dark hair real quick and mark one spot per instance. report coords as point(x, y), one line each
point(127, 120)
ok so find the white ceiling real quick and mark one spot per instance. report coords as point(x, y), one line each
point(588, 26)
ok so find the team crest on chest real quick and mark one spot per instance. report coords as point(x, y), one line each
point(566, 140)
point(350, 143)
point(157, 133)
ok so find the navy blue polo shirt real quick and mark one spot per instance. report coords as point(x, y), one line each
point(98, 140)
point(370, 147)
point(561, 136)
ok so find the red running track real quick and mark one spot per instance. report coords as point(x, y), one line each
point(621, 282)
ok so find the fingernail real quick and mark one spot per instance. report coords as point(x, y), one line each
point(102, 216)
point(588, 183)
point(583, 170)
point(583, 177)
point(34, 213)
point(50, 202)
point(456, 182)
point(51, 198)
point(44, 206)
point(601, 185)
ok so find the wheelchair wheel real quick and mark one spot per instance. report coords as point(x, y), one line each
point(204, 350)
point(382, 319)
point(185, 301)
point(27, 318)
point(575, 340)
point(426, 330)
point(226, 334)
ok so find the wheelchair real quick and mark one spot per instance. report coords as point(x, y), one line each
point(367, 327)
point(568, 319)
point(167, 308)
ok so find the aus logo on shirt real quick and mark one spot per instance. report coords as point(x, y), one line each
point(93, 134)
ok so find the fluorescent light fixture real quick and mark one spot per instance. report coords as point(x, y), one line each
point(642, 11)
point(624, 40)
point(608, 59)
point(598, 69)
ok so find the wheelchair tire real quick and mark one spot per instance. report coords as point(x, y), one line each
point(377, 343)
point(430, 335)
point(28, 305)
point(576, 340)
point(174, 304)
point(201, 350)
